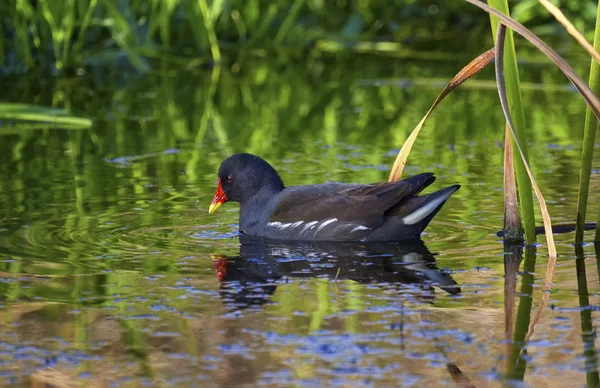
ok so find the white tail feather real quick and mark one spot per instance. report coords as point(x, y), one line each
point(421, 213)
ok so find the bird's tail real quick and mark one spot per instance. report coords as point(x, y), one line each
point(421, 210)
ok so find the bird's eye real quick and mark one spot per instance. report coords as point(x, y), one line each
point(229, 179)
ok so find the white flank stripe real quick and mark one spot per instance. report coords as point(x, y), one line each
point(325, 223)
point(307, 226)
point(279, 225)
point(297, 223)
point(422, 212)
point(359, 227)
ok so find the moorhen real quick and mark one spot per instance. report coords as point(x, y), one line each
point(385, 211)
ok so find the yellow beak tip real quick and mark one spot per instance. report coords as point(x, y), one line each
point(213, 207)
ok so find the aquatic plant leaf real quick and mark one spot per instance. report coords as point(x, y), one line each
point(514, 92)
point(543, 208)
point(513, 229)
point(124, 35)
point(504, 102)
point(216, 9)
point(584, 90)
point(289, 20)
point(210, 30)
point(589, 140)
point(24, 112)
point(571, 29)
point(464, 74)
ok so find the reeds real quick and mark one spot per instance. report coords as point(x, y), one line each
point(510, 93)
point(513, 89)
point(72, 33)
point(589, 139)
point(510, 97)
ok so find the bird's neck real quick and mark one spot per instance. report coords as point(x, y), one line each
point(255, 211)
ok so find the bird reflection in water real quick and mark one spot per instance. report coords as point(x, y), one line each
point(249, 280)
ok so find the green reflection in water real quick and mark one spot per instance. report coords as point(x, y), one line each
point(588, 336)
point(112, 222)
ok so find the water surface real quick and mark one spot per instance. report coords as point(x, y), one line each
point(114, 274)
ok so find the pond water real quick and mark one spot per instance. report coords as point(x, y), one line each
point(112, 272)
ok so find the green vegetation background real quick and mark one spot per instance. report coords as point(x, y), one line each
point(66, 34)
point(297, 78)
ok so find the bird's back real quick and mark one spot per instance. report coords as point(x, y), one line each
point(386, 211)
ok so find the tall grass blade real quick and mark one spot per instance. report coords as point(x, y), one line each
point(513, 230)
point(584, 90)
point(55, 30)
point(589, 138)
point(124, 35)
point(68, 26)
point(518, 114)
point(23, 17)
point(562, 19)
point(288, 22)
point(216, 9)
point(543, 208)
point(87, 18)
point(466, 72)
point(210, 30)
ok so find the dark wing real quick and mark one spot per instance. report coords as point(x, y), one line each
point(363, 205)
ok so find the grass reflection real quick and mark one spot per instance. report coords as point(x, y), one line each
point(588, 332)
point(517, 364)
point(91, 219)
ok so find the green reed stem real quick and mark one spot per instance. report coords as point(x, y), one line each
point(87, 18)
point(210, 29)
point(589, 138)
point(513, 89)
point(68, 26)
point(288, 22)
point(23, 16)
point(123, 33)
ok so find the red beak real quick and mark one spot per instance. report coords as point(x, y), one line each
point(219, 199)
